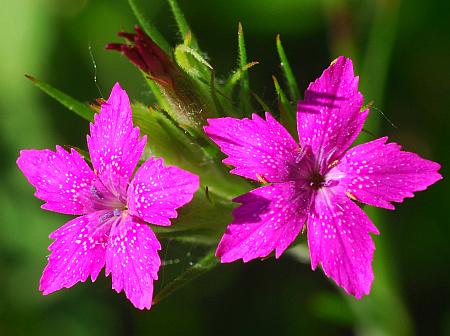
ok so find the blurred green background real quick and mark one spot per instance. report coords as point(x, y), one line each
point(401, 50)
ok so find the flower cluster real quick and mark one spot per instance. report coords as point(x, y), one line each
point(312, 184)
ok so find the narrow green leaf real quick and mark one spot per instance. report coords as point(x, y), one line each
point(183, 26)
point(245, 83)
point(138, 8)
point(237, 76)
point(208, 262)
point(261, 102)
point(72, 104)
point(287, 71)
point(287, 113)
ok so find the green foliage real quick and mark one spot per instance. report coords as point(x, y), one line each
point(72, 104)
point(197, 222)
point(245, 104)
point(183, 26)
point(287, 71)
point(237, 76)
point(208, 262)
point(147, 24)
point(287, 112)
point(193, 63)
point(159, 96)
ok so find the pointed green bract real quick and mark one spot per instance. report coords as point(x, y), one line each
point(192, 62)
point(205, 264)
point(287, 112)
point(72, 104)
point(183, 26)
point(245, 83)
point(237, 76)
point(147, 25)
point(287, 71)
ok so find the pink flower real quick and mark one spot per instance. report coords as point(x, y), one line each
point(317, 181)
point(111, 227)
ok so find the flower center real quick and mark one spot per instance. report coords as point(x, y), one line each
point(316, 181)
point(103, 199)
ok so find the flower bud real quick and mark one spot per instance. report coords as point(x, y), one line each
point(188, 105)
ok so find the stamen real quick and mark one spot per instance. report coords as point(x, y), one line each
point(97, 194)
point(303, 151)
point(333, 164)
point(317, 181)
point(351, 196)
point(261, 179)
point(103, 218)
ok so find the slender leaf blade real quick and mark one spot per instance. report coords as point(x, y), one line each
point(183, 26)
point(287, 112)
point(146, 23)
point(237, 76)
point(69, 102)
point(245, 82)
point(287, 71)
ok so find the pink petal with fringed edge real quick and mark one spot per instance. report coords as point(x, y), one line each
point(378, 173)
point(61, 179)
point(329, 117)
point(255, 147)
point(114, 144)
point(156, 191)
point(77, 253)
point(132, 259)
point(269, 219)
point(339, 240)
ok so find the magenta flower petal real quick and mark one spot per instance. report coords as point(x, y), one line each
point(156, 191)
point(329, 117)
point(61, 179)
point(114, 144)
point(378, 173)
point(266, 221)
point(132, 259)
point(256, 147)
point(77, 253)
point(339, 240)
